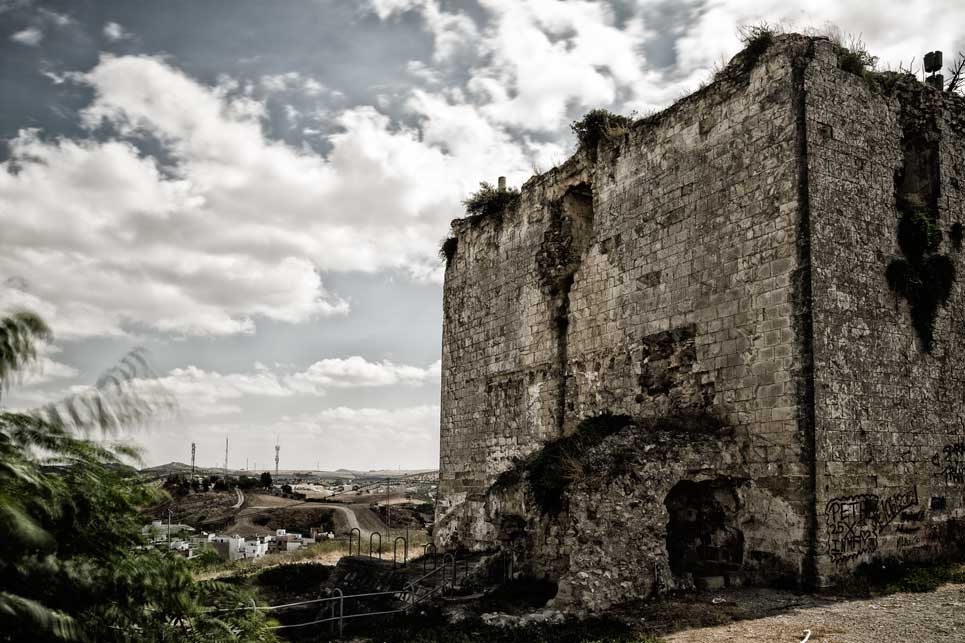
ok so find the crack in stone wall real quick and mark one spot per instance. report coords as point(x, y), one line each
point(564, 243)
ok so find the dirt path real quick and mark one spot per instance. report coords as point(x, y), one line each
point(783, 617)
point(241, 499)
point(349, 516)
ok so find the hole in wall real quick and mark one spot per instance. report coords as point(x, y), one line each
point(702, 534)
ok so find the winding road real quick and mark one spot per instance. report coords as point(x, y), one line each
point(354, 516)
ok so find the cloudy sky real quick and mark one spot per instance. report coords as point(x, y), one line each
point(255, 190)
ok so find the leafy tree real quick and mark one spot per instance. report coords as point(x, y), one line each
point(266, 480)
point(73, 564)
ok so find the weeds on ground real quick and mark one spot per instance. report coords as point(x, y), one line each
point(320, 550)
point(889, 576)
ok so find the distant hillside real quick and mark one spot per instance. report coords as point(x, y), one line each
point(173, 468)
point(170, 467)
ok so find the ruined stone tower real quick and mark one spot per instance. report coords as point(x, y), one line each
point(756, 289)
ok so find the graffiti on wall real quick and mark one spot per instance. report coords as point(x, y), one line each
point(950, 463)
point(855, 522)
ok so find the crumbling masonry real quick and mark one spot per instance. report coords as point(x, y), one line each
point(714, 284)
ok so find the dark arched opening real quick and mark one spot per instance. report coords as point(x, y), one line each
point(702, 534)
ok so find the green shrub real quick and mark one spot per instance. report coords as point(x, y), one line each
point(295, 577)
point(489, 201)
point(447, 251)
point(756, 39)
point(889, 576)
point(596, 125)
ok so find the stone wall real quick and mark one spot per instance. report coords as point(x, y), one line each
point(890, 417)
point(501, 391)
point(723, 259)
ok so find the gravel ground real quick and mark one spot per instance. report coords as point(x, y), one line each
point(777, 617)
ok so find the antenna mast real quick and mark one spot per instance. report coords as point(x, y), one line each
point(193, 449)
point(226, 458)
point(277, 449)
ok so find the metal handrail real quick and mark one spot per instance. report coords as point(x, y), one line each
point(355, 531)
point(371, 536)
point(405, 551)
point(410, 590)
point(425, 556)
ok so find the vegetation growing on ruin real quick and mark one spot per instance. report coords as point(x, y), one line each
point(598, 124)
point(549, 472)
point(923, 276)
point(756, 39)
point(447, 250)
point(490, 201)
point(855, 57)
point(890, 576)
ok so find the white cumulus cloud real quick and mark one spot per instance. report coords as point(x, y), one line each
point(114, 32)
point(30, 37)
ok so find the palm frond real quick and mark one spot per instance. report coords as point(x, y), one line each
point(19, 334)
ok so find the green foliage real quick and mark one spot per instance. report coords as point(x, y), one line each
point(854, 57)
point(856, 62)
point(489, 201)
point(73, 564)
point(550, 470)
point(889, 576)
point(19, 334)
point(757, 39)
point(922, 277)
point(295, 577)
point(447, 251)
point(265, 479)
point(598, 124)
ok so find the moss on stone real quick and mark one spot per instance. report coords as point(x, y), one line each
point(549, 472)
point(922, 277)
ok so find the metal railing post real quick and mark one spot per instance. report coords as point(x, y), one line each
point(446, 559)
point(341, 610)
point(405, 551)
point(351, 537)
